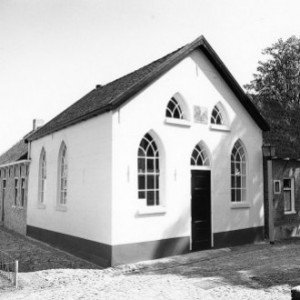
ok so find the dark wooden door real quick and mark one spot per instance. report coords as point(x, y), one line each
point(201, 210)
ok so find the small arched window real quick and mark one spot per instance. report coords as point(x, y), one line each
point(238, 173)
point(148, 171)
point(62, 175)
point(42, 176)
point(174, 110)
point(199, 156)
point(216, 116)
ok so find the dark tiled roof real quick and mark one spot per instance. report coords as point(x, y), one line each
point(15, 153)
point(115, 93)
point(284, 131)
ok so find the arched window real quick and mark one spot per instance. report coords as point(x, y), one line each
point(62, 175)
point(238, 173)
point(174, 110)
point(199, 156)
point(148, 171)
point(216, 116)
point(42, 176)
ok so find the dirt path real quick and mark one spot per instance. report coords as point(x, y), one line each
point(34, 255)
point(260, 272)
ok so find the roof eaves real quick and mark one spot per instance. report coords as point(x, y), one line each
point(234, 85)
point(132, 90)
point(94, 113)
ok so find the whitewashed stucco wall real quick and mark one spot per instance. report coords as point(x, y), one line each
point(199, 84)
point(88, 213)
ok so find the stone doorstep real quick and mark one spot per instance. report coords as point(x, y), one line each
point(167, 262)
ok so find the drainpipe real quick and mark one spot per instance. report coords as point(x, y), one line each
point(269, 154)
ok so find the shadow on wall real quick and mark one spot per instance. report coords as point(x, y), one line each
point(235, 217)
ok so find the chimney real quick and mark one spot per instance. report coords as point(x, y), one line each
point(37, 123)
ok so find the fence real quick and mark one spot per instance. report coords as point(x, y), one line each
point(9, 268)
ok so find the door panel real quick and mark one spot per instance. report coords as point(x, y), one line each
point(201, 210)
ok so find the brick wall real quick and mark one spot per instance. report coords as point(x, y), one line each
point(13, 212)
point(286, 225)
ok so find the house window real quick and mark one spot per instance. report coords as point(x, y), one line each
point(288, 195)
point(216, 116)
point(62, 175)
point(199, 157)
point(174, 110)
point(42, 176)
point(148, 171)
point(277, 187)
point(16, 191)
point(22, 202)
point(238, 173)
point(3, 188)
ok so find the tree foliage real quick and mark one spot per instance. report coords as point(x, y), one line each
point(278, 78)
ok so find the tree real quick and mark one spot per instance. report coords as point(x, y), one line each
point(278, 78)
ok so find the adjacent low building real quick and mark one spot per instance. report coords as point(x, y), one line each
point(284, 136)
point(14, 167)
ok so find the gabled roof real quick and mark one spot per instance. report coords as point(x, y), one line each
point(115, 93)
point(284, 132)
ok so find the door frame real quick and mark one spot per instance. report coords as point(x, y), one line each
point(202, 168)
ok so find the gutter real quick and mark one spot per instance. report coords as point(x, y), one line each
point(24, 161)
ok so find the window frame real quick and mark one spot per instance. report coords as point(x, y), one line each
point(224, 126)
point(290, 189)
point(144, 207)
point(16, 192)
point(239, 182)
point(62, 176)
point(276, 183)
point(145, 177)
point(22, 191)
point(42, 179)
point(180, 107)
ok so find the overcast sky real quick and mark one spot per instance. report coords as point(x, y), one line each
point(52, 52)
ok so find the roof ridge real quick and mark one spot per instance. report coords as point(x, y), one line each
point(115, 93)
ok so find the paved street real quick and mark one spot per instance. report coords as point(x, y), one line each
point(259, 271)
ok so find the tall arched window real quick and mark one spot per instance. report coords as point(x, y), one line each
point(199, 156)
point(148, 171)
point(238, 173)
point(174, 110)
point(42, 176)
point(62, 175)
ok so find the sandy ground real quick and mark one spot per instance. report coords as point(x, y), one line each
point(250, 272)
point(260, 271)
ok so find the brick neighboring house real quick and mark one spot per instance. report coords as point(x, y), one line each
point(284, 135)
point(14, 167)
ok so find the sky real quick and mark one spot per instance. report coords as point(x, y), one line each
point(53, 52)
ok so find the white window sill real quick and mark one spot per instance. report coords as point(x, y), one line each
point(290, 212)
point(152, 210)
point(235, 205)
point(219, 127)
point(17, 207)
point(178, 122)
point(61, 208)
point(41, 206)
